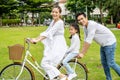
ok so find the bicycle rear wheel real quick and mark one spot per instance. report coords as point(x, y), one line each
point(80, 70)
point(11, 71)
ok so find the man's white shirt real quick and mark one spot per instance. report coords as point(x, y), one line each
point(99, 34)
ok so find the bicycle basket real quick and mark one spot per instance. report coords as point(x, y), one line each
point(15, 52)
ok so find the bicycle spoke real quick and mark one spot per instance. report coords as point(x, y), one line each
point(11, 71)
point(79, 70)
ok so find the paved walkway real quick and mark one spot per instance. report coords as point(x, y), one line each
point(114, 28)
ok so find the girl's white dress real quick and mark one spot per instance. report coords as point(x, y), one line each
point(54, 48)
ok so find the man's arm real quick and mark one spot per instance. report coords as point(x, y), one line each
point(86, 46)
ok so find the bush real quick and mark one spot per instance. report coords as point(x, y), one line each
point(10, 22)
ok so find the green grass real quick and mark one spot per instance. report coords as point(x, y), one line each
point(11, 36)
point(111, 25)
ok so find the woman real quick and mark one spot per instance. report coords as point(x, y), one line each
point(54, 43)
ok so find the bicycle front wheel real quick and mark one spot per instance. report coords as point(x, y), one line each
point(80, 70)
point(11, 71)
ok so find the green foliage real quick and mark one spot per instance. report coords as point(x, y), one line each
point(113, 6)
point(79, 5)
point(45, 15)
point(12, 9)
point(7, 5)
point(35, 5)
point(76, 6)
point(10, 21)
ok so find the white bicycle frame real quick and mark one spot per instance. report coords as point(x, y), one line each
point(35, 65)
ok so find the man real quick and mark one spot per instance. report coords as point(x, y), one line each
point(105, 38)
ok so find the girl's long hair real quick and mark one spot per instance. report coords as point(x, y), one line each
point(76, 26)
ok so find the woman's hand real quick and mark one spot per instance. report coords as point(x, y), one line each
point(32, 40)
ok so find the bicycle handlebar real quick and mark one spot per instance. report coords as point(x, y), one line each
point(28, 43)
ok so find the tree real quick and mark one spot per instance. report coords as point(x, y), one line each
point(36, 6)
point(100, 4)
point(5, 7)
point(113, 6)
point(80, 6)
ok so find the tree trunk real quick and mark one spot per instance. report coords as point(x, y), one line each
point(101, 13)
point(111, 19)
point(32, 18)
point(39, 18)
point(0, 20)
point(117, 19)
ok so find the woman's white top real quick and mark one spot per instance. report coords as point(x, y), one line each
point(75, 44)
point(99, 33)
point(55, 43)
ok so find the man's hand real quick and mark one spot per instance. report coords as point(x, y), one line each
point(86, 45)
point(80, 55)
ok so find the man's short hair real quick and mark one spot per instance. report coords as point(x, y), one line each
point(82, 13)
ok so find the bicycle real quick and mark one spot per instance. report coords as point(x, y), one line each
point(22, 71)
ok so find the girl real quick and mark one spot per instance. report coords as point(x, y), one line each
point(54, 43)
point(73, 50)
